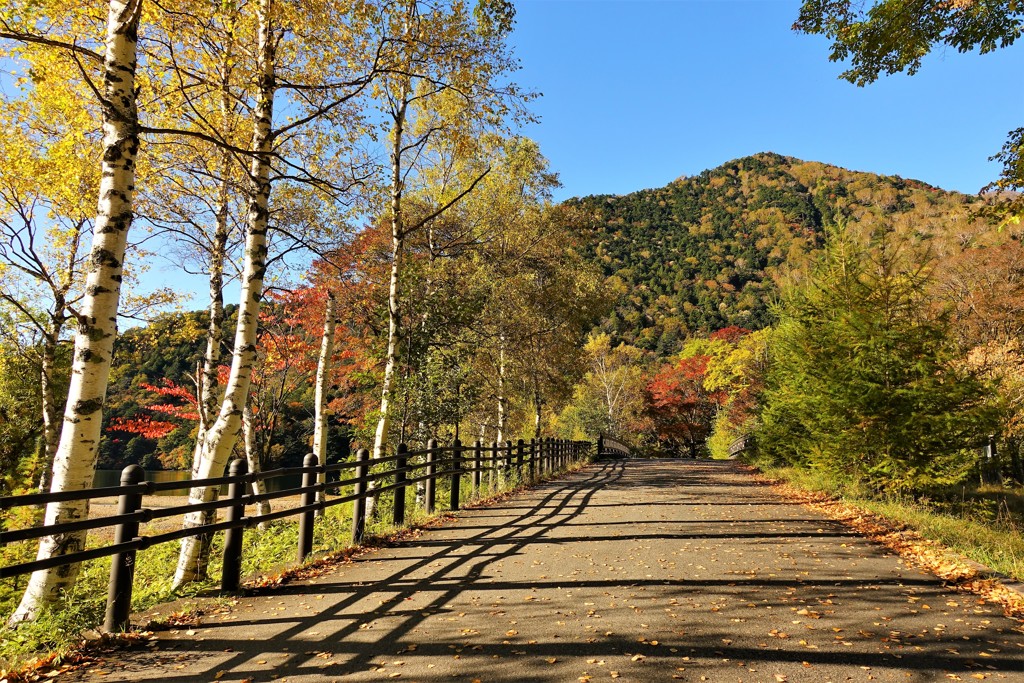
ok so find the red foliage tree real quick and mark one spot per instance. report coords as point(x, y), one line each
point(730, 334)
point(178, 402)
point(357, 273)
point(681, 409)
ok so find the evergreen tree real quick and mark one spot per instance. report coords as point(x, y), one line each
point(864, 381)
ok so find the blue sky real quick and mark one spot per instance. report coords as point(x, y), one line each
point(638, 93)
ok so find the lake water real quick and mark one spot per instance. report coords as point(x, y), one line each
point(106, 478)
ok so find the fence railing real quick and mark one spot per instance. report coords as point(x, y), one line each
point(741, 445)
point(500, 462)
point(611, 447)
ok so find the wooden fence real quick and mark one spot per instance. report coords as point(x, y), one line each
point(525, 461)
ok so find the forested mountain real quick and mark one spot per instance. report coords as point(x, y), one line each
point(707, 252)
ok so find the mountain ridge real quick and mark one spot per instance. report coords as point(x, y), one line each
point(707, 251)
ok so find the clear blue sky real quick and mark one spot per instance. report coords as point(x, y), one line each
point(638, 93)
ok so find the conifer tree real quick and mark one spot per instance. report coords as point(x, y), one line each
point(864, 381)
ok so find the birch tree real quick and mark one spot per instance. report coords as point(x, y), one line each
point(323, 367)
point(219, 439)
point(322, 76)
point(74, 461)
point(447, 83)
point(199, 49)
point(49, 180)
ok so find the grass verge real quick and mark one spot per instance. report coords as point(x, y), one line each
point(933, 534)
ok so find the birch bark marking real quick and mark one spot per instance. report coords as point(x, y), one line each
point(74, 464)
point(323, 366)
point(502, 408)
point(223, 434)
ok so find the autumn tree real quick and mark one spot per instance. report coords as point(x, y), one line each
point(610, 397)
point(681, 408)
point(199, 119)
point(173, 406)
point(323, 79)
point(45, 213)
point(541, 297)
point(20, 428)
point(446, 85)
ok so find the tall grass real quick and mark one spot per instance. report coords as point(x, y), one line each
point(983, 523)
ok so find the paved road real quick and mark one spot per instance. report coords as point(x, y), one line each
point(641, 571)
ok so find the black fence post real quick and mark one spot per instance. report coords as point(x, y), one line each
point(400, 464)
point(533, 459)
point(520, 446)
point(477, 467)
point(359, 504)
point(506, 462)
point(431, 488)
point(600, 445)
point(231, 572)
point(122, 569)
point(456, 473)
point(492, 473)
point(308, 498)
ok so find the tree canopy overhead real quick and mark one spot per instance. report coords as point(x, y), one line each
point(892, 36)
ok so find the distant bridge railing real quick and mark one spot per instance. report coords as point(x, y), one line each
point(611, 447)
point(523, 461)
point(741, 445)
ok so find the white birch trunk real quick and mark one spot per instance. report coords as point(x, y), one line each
point(208, 372)
point(51, 433)
point(75, 460)
point(538, 408)
point(380, 439)
point(209, 378)
point(223, 433)
point(323, 367)
point(502, 409)
point(252, 459)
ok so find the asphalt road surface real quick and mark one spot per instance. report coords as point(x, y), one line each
point(636, 571)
